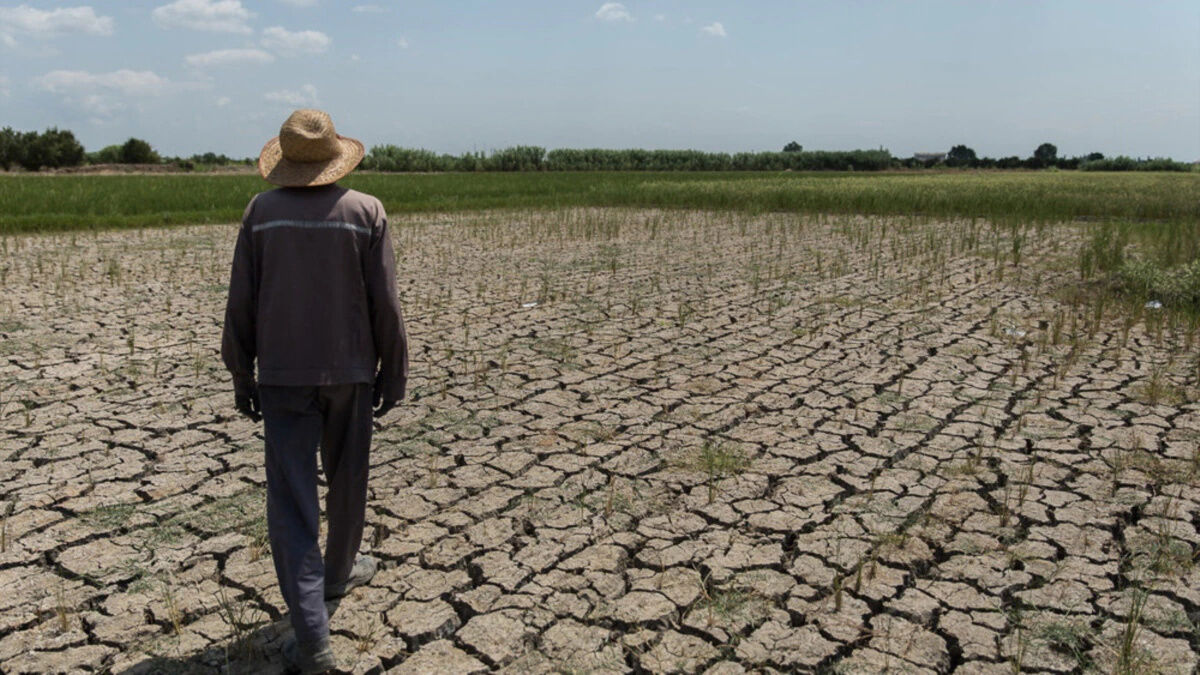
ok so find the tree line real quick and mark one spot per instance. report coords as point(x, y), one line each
point(56, 148)
point(534, 158)
point(1045, 156)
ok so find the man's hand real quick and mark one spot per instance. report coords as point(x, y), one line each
point(381, 406)
point(384, 407)
point(247, 404)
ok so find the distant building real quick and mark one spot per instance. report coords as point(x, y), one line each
point(929, 157)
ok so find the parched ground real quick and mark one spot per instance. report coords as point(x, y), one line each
point(636, 442)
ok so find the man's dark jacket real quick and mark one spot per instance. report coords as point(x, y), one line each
point(312, 294)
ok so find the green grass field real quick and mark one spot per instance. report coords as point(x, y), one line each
point(34, 203)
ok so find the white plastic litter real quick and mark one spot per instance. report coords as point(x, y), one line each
point(1014, 332)
point(529, 305)
point(1154, 304)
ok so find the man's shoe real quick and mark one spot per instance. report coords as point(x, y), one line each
point(308, 658)
point(364, 570)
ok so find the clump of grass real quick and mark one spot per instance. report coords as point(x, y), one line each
point(1073, 638)
point(108, 517)
point(1177, 286)
point(1158, 261)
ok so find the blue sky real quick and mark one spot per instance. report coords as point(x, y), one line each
point(1000, 76)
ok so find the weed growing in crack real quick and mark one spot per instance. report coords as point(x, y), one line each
point(1130, 659)
point(242, 619)
point(174, 615)
point(62, 612)
point(1019, 642)
point(1073, 638)
point(9, 507)
point(104, 518)
point(1158, 389)
point(365, 641)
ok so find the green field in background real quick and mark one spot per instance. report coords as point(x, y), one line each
point(34, 203)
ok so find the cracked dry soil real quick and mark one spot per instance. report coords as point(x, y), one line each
point(637, 441)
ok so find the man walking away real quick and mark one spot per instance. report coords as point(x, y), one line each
point(312, 299)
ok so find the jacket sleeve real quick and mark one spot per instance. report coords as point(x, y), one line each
point(238, 346)
point(387, 322)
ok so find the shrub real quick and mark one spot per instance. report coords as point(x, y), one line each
point(137, 151)
point(1174, 286)
point(1124, 163)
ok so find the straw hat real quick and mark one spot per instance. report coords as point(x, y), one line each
point(308, 151)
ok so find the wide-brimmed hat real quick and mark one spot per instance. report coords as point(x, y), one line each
point(308, 151)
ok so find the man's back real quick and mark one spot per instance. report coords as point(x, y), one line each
point(312, 293)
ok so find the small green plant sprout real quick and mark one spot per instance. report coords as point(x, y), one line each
point(718, 461)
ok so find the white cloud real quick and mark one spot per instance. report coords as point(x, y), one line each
point(226, 16)
point(288, 43)
point(4, 91)
point(715, 29)
point(299, 3)
point(126, 82)
point(660, 17)
point(613, 11)
point(402, 43)
point(43, 23)
point(373, 9)
point(102, 94)
point(224, 101)
point(228, 57)
point(99, 105)
point(305, 96)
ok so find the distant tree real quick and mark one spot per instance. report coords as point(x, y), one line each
point(9, 148)
point(961, 155)
point(1045, 155)
point(137, 151)
point(109, 154)
point(51, 149)
point(793, 146)
point(1094, 156)
point(1011, 162)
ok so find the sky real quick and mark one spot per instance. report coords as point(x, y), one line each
point(1000, 76)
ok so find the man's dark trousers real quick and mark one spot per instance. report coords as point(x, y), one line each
point(297, 421)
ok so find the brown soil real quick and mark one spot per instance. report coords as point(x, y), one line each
point(636, 441)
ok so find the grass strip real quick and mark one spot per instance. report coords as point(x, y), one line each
point(39, 203)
